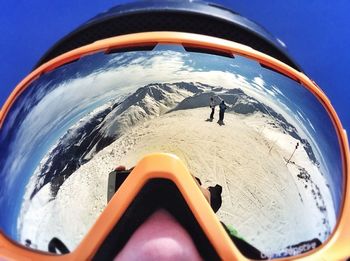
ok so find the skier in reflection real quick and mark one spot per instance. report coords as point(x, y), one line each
point(222, 107)
point(212, 106)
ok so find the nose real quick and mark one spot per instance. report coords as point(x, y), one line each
point(160, 237)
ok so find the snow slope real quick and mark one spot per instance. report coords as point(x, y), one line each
point(102, 126)
point(271, 202)
point(263, 199)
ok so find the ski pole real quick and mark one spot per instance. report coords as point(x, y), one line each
point(293, 153)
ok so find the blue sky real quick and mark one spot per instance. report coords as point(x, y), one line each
point(317, 34)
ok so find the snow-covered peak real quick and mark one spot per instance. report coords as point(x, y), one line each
point(108, 122)
point(103, 125)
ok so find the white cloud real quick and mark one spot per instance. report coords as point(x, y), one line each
point(311, 125)
point(259, 81)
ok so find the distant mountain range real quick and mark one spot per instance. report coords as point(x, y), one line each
point(107, 123)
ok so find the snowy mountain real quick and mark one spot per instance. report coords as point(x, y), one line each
point(241, 103)
point(104, 125)
point(255, 190)
point(107, 123)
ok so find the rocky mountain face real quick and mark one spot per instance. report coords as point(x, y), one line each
point(104, 125)
point(107, 123)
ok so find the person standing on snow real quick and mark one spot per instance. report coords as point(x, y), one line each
point(212, 106)
point(222, 107)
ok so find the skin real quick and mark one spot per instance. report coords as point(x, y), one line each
point(161, 237)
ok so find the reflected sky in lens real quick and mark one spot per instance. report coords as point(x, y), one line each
point(60, 101)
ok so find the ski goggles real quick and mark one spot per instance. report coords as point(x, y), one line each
point(224, 113)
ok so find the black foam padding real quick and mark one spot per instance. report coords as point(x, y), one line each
point(166, 20)
point(156, 194)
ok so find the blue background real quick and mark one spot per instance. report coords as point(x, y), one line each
point(317, 34)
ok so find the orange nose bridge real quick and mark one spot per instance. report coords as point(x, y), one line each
point(168, 166)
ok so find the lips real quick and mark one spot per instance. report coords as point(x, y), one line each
point(160, 237)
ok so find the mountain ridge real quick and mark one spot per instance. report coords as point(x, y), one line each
point(103, 126)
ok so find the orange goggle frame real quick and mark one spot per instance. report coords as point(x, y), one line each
point(165, 166)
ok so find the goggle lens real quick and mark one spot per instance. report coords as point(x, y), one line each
point(263, 137)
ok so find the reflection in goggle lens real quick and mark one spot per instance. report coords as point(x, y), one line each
point(264, 138)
